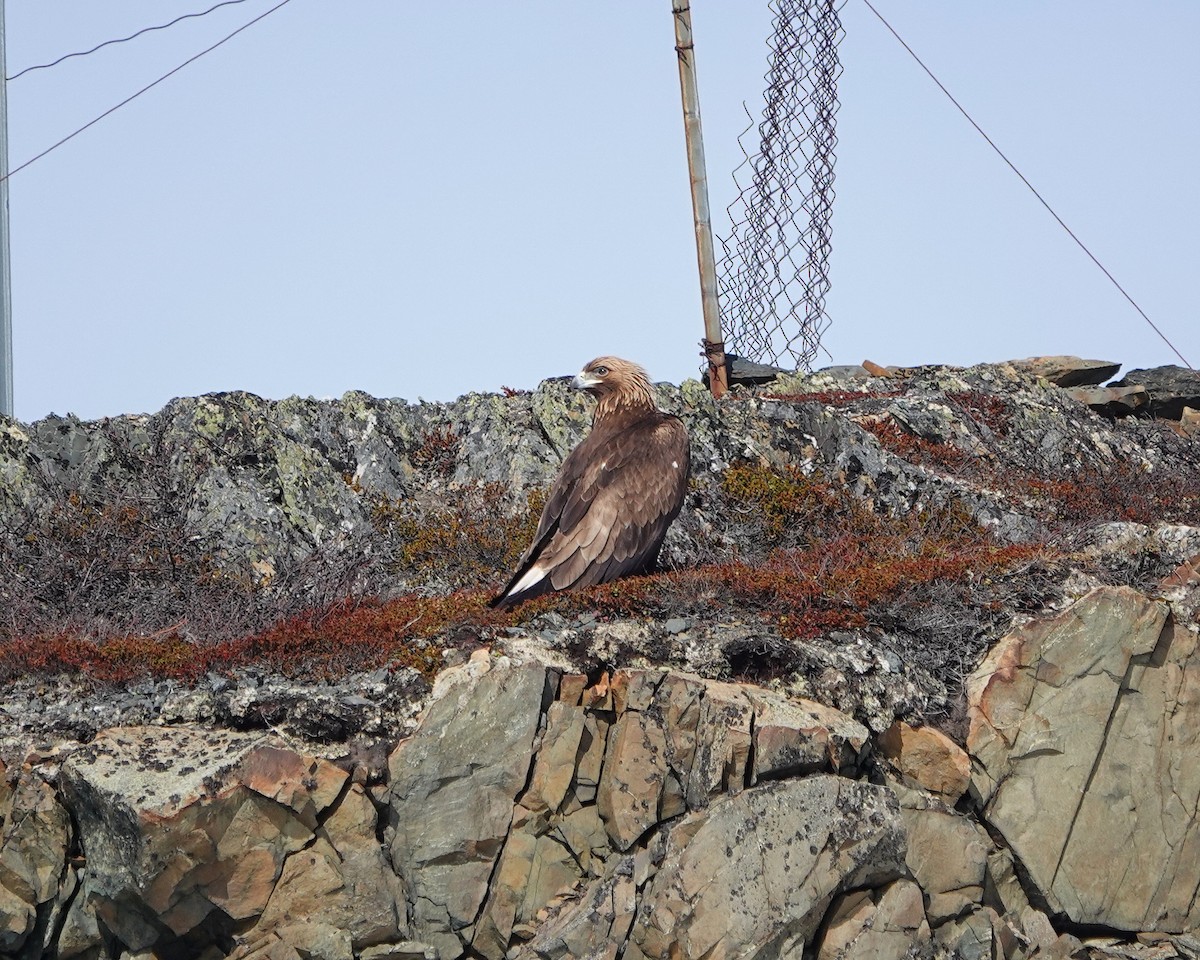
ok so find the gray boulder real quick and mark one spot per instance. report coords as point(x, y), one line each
point(1170, 388)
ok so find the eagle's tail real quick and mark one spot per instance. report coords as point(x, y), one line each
point(531, 583)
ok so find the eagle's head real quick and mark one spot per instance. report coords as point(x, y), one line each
point(617, 384)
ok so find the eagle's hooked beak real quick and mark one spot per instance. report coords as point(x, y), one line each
point(584, 381)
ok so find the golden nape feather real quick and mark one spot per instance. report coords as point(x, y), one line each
point(616, 494)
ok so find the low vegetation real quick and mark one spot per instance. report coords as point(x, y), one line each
point(115, 587)
point(822, 562)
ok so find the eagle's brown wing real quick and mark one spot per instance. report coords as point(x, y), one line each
point(608, 511)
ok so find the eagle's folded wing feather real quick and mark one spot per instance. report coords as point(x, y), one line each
point(609, 509)
point(618, 511)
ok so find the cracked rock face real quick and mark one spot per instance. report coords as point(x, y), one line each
point(183, 828)
point(1085, 728)
point(753, 873)
point(636, 777)
point(554, 796)
point(36, 832)
point(530, 814)
point(452, 793)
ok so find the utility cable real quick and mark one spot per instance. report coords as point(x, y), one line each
point(1032, 189)
point(148, 86)
point(107, 43)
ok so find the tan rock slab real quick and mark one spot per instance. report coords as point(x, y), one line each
point(598, 696)
point(1004, 883)
point(635, 689)
point(35, 831)
point(17, 919)
point(635, 769)
point(583, 833)
point(723, 740)
point(505, 896)
point(555, 765)
point(927, 758)
point(371, 905)
point(402, 950)
point(1084, 730)
point(1067, 371)
point(304, 784)
point(589, 758)
point(1111, 401)
point(80, 933)
point(342, 880)
point(883, 924)
point(948, 857)
point(571, 687)
point(1189, 422)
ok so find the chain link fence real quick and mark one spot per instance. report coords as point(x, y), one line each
point(773, 275)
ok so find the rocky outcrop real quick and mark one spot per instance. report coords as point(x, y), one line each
point(706, 783)
point(258, 489)
point(221, 516)
point(580, 816)
point(189, 834)
point(1172, 389)
point(533, 813)
point(529, 808)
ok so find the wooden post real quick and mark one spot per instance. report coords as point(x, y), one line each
point(714, 343)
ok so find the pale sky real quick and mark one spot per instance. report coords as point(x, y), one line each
point(419, 199)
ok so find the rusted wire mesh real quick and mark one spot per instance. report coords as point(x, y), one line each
point(774, 273)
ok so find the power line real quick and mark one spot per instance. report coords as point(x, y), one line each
point(1031, 187)
point(148, 86)
point(108, 43)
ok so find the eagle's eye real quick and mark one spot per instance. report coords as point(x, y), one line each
point(601, 371)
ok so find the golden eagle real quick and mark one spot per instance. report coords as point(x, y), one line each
point(616, 493)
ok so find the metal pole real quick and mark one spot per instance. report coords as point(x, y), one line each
point(714, 345)
point(6, 357)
